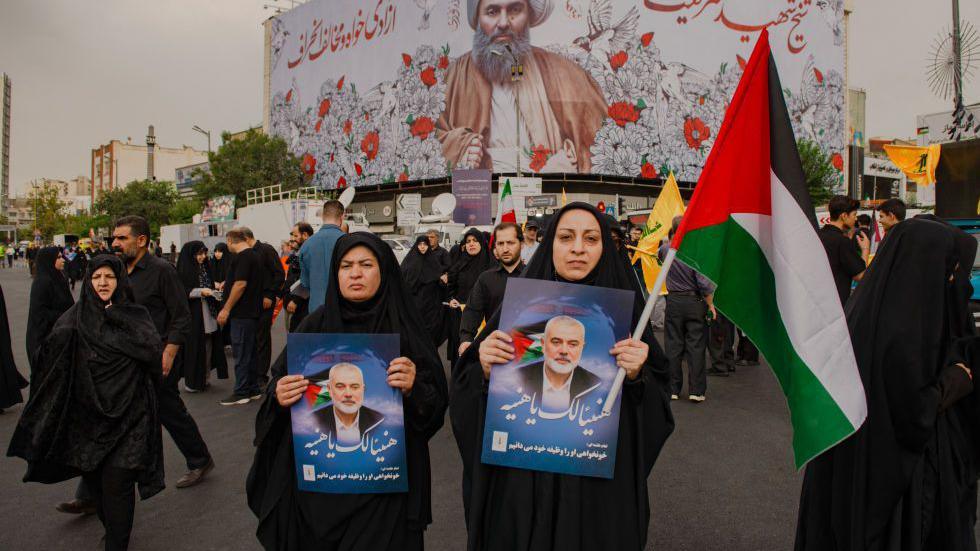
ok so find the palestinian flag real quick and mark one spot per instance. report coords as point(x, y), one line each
point(317, 394)
point(527, 342)
point(505, 205)
point(750, 228)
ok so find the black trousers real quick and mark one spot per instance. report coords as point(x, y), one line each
point(721, 343)
point(746, 350)
point(263, 347)
point(114, 493)
point(685, 338)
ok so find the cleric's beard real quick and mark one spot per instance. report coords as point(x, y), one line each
point(558, 367)
point(349, 410)
point(496, 68)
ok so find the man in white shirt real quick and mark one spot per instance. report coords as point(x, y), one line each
point(530, 243)
point(347, 418)
point(558, 379)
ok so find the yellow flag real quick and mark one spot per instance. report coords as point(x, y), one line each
point(918, 163)
point(668, 205)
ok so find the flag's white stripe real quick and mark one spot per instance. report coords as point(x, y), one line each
point(807, 298)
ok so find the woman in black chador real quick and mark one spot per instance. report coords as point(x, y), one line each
point(93, 410)
point(11, 381)
point(474, 258)
point(365, 295)
point(50, 297)
point(204, 349)
point(522, 510)
point(420, 271)
point(906, 480)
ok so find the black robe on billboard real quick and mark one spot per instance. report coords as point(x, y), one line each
point(907, 479)
point(521, 510)
point(290, 519)
point(11, 381)
point(462, 276)
point(50, 297)
point(192, 361)
point(421, 272)
point(94, 399)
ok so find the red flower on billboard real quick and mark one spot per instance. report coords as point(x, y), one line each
point(342, 182)
point(539, 156)
point(406, 59)
point(319, 123)
point(428, 76)
point(289, 96)
point(422, 127)
point(443, 61)
point(618, 59)
point(646, 39)
point(369, 145)
point(648, 171)
point(403, 177)
point(695, 132)
point(340, 83)
point(309, 164)
point(818, 75)
point(358, 169)
point(347, 127)
point(837, 161)
point(623, 112)
point(324, 108)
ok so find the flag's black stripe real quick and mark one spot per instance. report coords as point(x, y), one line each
point(783, 155)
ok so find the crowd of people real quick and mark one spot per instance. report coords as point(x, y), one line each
point(90, 381)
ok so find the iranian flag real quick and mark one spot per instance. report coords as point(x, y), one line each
point(505, 205)
point(750, 228)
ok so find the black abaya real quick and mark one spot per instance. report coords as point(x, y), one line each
point(11, 381)
point(906, 480)
point(420, 273)
point(290, 519)
point(50, 297)
point(94, 402)
point(462, 277)
point(522, 510)
point(192, 361)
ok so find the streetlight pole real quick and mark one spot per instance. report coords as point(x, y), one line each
point(207, 133)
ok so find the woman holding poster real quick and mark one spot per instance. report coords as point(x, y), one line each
point(524, 510)
point(366, 294)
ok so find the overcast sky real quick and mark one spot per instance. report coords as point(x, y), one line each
point(87, 72)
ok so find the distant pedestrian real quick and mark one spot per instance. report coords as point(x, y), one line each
point(242, 309)
point(315, 254)
point(689, 302)
point(297, 304)
point(10, 255)
point(203, 351)
point(273, 276)
point(721, 346)
point(50, 298)
point(847, 262)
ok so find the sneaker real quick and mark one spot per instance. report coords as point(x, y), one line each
point(235, 400)
point(696, 398)
point(673, 396)
point(256, 396)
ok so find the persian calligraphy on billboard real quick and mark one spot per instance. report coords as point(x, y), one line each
point(380, 91)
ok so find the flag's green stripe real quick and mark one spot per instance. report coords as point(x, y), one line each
point(731, 257)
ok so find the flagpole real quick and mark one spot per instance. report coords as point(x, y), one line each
point(640, 325)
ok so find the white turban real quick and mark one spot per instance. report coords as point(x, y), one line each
point(540, 10)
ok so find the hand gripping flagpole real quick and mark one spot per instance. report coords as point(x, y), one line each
point(640, 325)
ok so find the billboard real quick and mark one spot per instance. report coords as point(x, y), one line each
point(380, 91)
point(219, 209)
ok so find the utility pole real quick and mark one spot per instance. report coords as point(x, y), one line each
point(957, 53)
point(516, 74)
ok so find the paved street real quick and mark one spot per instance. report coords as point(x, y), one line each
point(724, 482)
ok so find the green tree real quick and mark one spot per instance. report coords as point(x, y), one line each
point(48, 214)
point(81, 224)
point(183, 211)
point(820, 174)
point(255, 161)
point(147, 198)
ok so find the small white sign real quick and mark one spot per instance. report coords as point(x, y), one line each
point(499, 441)
point(309, 473)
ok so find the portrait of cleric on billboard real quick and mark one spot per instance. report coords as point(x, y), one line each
point(618, 87)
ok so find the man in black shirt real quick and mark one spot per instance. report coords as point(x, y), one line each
point(242, 310)
point(297, 306)
point(157, 288)
point(488, 292)
point(273, 277)
point(847, 262)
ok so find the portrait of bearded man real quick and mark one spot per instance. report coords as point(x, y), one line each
point(561, 106)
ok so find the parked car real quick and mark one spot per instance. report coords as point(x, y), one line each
point(399, 244)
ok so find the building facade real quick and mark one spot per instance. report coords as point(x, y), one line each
point(5, 103)
point(118, 163)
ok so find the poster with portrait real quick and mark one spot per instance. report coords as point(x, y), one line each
point(550, 409)
point(349, 426)
point(619, 87)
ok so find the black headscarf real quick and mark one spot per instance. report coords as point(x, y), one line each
point(913, 463)
point(467, 268)
point(94, 398)
point(290, 519)
point(549, 504)
point(219, 267)
point(50, 297)
point(420, 268)
point(11, 381)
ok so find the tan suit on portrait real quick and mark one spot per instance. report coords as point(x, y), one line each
point(561, 107)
